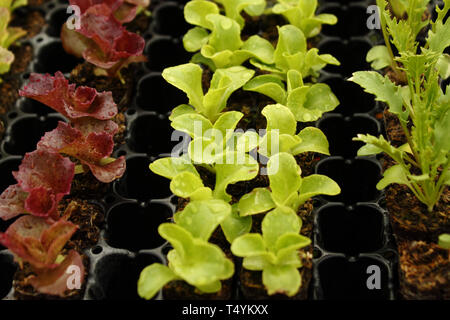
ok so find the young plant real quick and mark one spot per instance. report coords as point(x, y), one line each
point(124, 10)
point(103, 41)
point(281, 134)
point(302, 14)
point(192, 259)
point(188, 78)
point(90, 140)
point(38, 189)
point(444, 241)
point(287, 187)
point(423, 163)
point(275, 252)
point(233, 9)
point(36, 241)
point(402, 32)
point(292, 53)
point(8, 35)
point(218, 38)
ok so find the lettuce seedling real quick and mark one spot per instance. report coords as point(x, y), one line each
point(307, 102)
point(92, 150)
point(218, 38)
point(38, 189)
point(402, 32)
point(36, 241)
point(287, 187)
point(187, 183)
point(103, 41)
point(194, 260)
point(301, 13)
point(422, 164)
point(8, 35)
point(275, 252)
point(124, 10)
point(281, 134)
point(291, 53)
point(444, 241)
point(233, 9)
point(188, 78)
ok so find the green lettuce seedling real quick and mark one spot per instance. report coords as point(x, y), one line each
point(444, 241)
point(402, 32)
point(188, 78)
point(275, 252)
point(424, 107)
point(301, 13)
point(8, 35)
point(192, 259)
point(187, 183)
point(281, 134)
point(291, 53)
point(218, 38)
point(287, 187)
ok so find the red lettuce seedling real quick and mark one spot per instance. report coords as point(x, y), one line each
point(93, 150)
point(38, 189)
point(103, 41)
point(39, 243)
point(124, 10)
point(73, 103)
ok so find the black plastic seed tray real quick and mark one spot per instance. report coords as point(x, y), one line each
point(351, 231)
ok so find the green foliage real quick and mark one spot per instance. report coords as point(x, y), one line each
point(292, 53)
point(188, 78)
point(218, 37)
point(287, 187)
point(275, 252)
point(444, 241)
point(424, 107)
point(12, 5)
point(192, 259)
point(301, 13)
point(281, 134)
point(8, 35)
point(233, 9)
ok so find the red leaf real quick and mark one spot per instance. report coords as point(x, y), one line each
point(109, 172)
point(102, 40)
point(36, 241)
point(12, 202)
point(56, 281)
point(72, 102)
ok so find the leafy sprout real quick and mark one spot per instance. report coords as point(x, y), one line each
point(218, 37)
point(302, 14)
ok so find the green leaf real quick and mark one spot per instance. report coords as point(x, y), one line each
point(284, 176)
point(316, 184)
point(291, 42)
point(280, 221)
point(443, 65)
point(280, 118)
point(188, 78)
point(234, 226)
point(268, 85)
point(309, 103)
point(195, 12)
point(289, 243)
point(444, 241)
point(395, 174)
point(377, 144)
point(171, 167)
point(379, 57)
point(233, 169)
point(259, 48)
point(193, 124)
point(281, 279)
point(227, 123)
point(201, 218)
point(189, 185)
point(6, 59)
point(195, 38)
point(248, 245)
point(153, 278)
point(439, 40)
point(383, 89)
point(180, 110)
point(226, 33)
point(233, 8)
point(196, 261)
point(224, 82)
point(312, 140)
point(257, 201)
